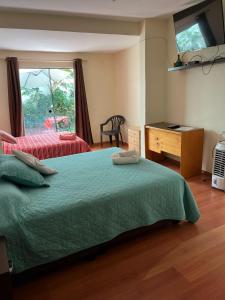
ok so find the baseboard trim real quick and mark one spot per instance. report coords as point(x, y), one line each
point(108, 144)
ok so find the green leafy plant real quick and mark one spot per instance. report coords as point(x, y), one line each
point(54, 100)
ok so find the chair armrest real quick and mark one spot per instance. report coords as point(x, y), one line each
point(5, 279)
point(102, 125)
point(106, 122)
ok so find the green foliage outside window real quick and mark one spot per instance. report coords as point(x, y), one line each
point(53, 98)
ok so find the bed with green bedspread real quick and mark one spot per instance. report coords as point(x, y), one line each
point(90, 201)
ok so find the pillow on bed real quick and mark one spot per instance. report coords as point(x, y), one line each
point(6, 137)
point(14, 170)
point(34, 163)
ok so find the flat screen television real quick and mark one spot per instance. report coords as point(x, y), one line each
point(200, 26)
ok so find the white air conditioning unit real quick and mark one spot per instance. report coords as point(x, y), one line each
point(218, 177)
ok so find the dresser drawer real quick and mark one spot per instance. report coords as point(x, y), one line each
point(171, 143)
point(166, 141)
point(154, 140)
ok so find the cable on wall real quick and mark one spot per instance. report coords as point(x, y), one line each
point(203, 58)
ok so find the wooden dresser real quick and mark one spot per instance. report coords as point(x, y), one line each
point(185, 143)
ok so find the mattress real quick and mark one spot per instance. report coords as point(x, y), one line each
point(45, 146)
point(89, 202)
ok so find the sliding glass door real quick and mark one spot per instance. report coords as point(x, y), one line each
point(48, 100)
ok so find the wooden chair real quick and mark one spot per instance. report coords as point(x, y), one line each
point(116, 122)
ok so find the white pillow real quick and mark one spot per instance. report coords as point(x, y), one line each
point(33, 162)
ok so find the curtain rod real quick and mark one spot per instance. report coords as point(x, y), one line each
point(44, 60)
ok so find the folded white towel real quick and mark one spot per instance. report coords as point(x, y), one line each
point(128, 153)
point(126, 160)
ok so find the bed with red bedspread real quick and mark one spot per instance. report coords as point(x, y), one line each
point(45, 146)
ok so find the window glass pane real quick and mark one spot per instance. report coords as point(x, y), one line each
point(48, 100)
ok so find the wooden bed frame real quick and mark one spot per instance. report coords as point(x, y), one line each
point(7, 279)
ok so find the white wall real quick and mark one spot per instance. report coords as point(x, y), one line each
point(4, 108)
point(140, 77)
point(196, 99)
point(127, 86)
point(53, 21)
point(98, 75)
point(155, 66)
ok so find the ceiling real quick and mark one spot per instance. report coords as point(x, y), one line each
point(114, 8)
point(55, 41)
point(44, 40)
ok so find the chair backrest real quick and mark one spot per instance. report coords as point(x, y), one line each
point(116, 121)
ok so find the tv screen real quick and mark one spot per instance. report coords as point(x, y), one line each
point(200, 26)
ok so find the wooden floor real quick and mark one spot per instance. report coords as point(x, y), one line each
point(182, 261)
point(105, 145)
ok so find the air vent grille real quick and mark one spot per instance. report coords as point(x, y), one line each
point(219, 163)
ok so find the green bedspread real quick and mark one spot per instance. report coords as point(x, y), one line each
point(90, 201)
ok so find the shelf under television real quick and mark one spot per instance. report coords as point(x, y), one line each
point(196, 65)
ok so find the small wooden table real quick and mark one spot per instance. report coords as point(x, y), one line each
point(184, 142)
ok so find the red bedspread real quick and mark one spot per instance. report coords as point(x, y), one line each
point(45, 146)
